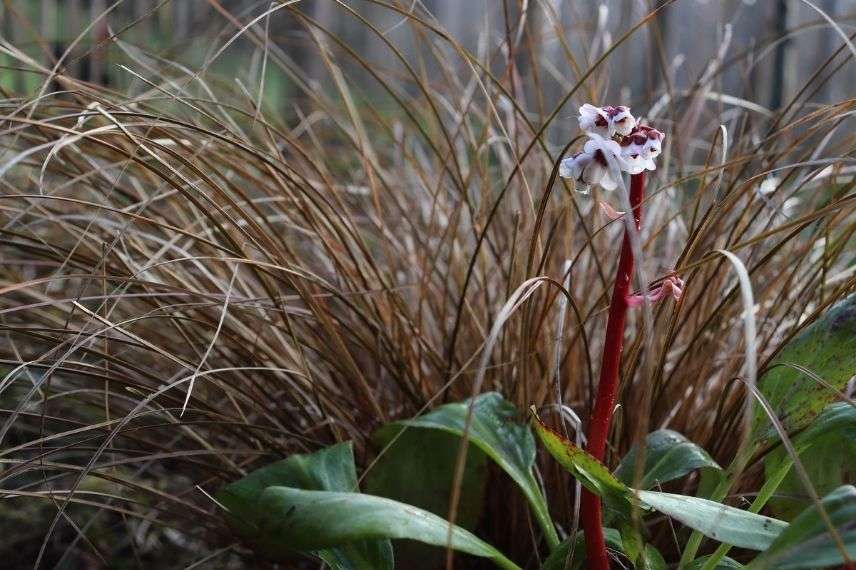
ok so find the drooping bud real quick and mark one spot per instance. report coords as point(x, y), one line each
point(671, 286)
point(611, 213)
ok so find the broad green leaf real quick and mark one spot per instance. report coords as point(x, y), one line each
point(313, 520)
point(590, 472)
point(827, 450)
point(825, 348)
point(725, 563)
point(717, 521)
point(418, 469)
point(631, 539)
point(836, 421)
point(808, 542)
point(329, 469)
point(651, 559)
point(839, 418)
point(668, 455)
point(829, 463)
point(496, 432)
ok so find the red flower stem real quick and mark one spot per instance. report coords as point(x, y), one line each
point(598, 429)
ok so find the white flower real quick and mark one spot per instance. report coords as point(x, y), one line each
point(606, 121)
point(594, 120)
point(592, 166)
point(620, 120)
point(584, 168)
point(640, 147)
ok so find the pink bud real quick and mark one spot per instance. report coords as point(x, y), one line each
point(609, 211)
point(670, 286)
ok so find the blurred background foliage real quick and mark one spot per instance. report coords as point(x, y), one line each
point(99, 36)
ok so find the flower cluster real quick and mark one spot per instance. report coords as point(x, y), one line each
point(617, 143)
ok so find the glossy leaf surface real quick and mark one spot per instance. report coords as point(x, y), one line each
point(329, 469)
point(496, 431)
point(827, 450)
point(717, 521)
point(417, 468)
point(808, 542)
point(668, 456)
point(825, 348)
point(311, 520)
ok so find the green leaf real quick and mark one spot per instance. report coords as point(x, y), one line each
point(717, 521)
point(651, 559)
point(725, 563)
point(590, 472)
point(631, 539)
point(418, 469)
point(837, 418)
point(329, 469)
point(828, 463)
point(557, 558)
point(507, 442)
point(825, 348)
point(826, 450)
point(668, 456)
point(808, 543)
point(312, 520)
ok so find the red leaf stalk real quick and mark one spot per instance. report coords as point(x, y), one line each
point(598, 429)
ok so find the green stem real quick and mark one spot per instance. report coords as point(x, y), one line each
point(505, 563)
point(542, 516)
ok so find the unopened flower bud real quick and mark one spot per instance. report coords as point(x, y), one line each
point(671, 286)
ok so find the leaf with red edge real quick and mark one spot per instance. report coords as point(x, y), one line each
point(590, 472)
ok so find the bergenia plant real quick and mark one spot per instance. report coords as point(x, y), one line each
point(616, 144)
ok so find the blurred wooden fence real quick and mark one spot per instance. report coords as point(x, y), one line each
point(185, 30)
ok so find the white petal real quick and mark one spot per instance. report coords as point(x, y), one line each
point(623, 123)
point(613, 147)
point(593, 173)
point(593, 144)
point(653, 148)
point(634, 165)
point(608, 183)
point(589, 110)
point(589, 115)
point(606, 146)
